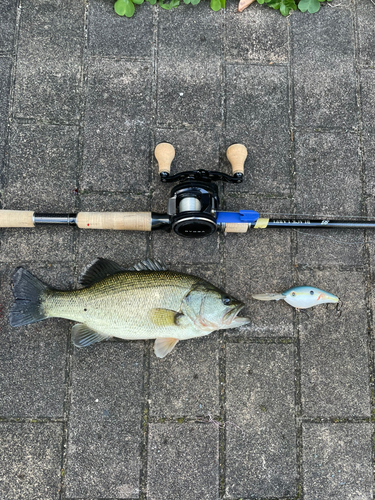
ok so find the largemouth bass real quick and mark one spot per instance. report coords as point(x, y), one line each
point(301, 297)
point(144, 302)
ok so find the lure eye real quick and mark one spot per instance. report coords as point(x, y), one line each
point(293, 294)
point(311, 292)
point(226, 301)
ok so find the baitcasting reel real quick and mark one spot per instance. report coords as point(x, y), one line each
point(194, 202)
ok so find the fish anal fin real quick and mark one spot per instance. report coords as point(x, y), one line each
point(163, 317)
point(83, 336)
point(164, 346)
point(98, 270)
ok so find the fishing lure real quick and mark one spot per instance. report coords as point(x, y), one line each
point(301, 297)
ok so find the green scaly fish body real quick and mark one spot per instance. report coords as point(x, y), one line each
point(120, 305)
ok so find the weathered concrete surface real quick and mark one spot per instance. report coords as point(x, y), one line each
point(281, 408)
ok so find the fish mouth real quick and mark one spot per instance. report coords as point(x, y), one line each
point(231, 315)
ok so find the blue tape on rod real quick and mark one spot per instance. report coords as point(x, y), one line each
point(242, 216)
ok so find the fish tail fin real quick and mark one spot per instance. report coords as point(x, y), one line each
point(28, 292)
point(268, 296)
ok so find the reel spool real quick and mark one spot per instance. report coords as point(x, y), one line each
point(194, 202)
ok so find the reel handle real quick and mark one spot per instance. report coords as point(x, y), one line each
point(236, 154)
point(164, 153)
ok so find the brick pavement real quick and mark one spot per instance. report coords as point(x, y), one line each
point(84, 98)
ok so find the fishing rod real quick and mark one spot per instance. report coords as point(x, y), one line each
point(193, 209)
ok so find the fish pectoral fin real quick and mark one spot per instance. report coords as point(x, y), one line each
point(268, 296)
point(83, 336)
point(164, 346)
point(163, 317)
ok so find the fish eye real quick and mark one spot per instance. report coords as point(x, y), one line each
point(311, 292)
point(293, 294)
point(226, 300)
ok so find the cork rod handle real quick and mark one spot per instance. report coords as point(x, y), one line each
point(130, 221)
point(16, 218)
point(164, 153)
point(236, 155)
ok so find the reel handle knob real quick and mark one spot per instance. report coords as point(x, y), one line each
point(164, 153)
point(236, 154)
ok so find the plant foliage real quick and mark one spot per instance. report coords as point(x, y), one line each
point(126, 7)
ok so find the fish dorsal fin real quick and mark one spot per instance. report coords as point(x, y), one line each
point(148, 265)
point(83, 336)
point(98, 270)
point(164, 346)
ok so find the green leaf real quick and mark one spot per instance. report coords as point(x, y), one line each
point(138, 2)
point(124, 8)
point(223, 4)
point(274, 4)
point(151, 2)
point(261, 2)
point(309, 5)
point(215, 5)
point(286, 6)
point(195, 2)
point(168, 6)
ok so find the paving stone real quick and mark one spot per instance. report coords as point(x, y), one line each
point(249, 269)
point(33, 357)
point(250, 36)
point(112, 35)
point(30, 460)
point(41, 175)
point(172, 249)
point(8, 9)
point(331, 247)
point(367, 100)
point(43, 244)
point(257, 116)
point(189, 73)
point(183, 462)
point(117, 137)
point(334, 360)
point(124, 247)
point(186, 382)
point(328, 174)
point(105, 421)
point(323, 68)
point(5, 70)
point(366, 32)
point(368, 141)
point(272, 208)
point(48, 79)
point(337, 461)
point(260, 443)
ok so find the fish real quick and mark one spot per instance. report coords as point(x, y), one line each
point(301, 297)
point(146, 301)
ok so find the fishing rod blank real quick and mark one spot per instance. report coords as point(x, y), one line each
point(192, 211)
